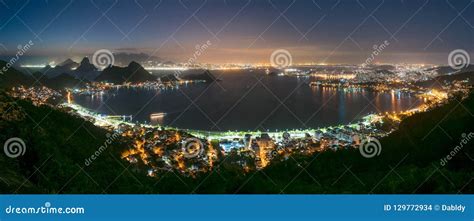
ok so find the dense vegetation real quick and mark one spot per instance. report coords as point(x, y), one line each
point(57, 145)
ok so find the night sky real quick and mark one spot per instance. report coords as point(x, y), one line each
point(241, 31)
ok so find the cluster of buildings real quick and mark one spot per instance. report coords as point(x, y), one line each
point(99, 88)
point(385, 78)
point(37, 95)
point(157, 150)
point(265, 147)
point(395, 73)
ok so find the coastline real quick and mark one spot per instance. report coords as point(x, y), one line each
point(103, 120)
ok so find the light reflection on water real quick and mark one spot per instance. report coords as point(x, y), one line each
point(248, 101)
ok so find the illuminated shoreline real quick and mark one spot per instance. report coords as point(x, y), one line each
point(104, 120)
point(173, 147)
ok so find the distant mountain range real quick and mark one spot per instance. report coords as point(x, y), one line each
point(72, 74)
point(69, 64)
point(133, 73)
point(84, 70)
point(13, 77)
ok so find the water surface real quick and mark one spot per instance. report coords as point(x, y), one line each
point(248, 100)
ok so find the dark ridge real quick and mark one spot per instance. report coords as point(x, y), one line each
point(438, 82)
point(133, 73)
point(10, 77)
